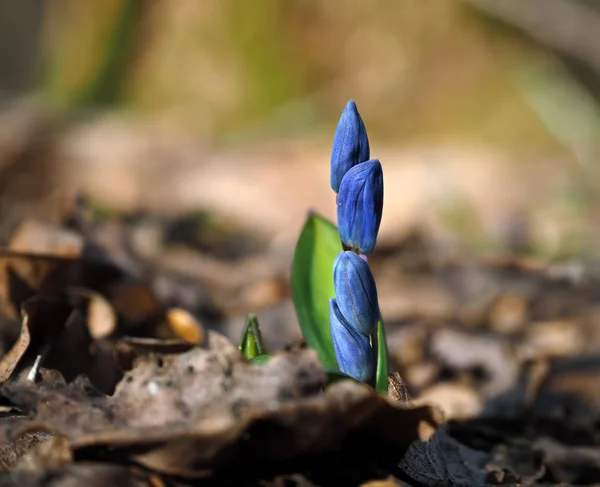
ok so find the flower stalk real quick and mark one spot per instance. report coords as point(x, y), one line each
point(356, 326)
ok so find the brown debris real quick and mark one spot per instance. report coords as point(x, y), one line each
point(138, 386)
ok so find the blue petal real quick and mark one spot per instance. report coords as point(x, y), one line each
point(352, 350)
point(360, 205)
point(350, 144)
point(356, 292)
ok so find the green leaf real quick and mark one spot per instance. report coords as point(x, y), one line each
point(312, 284)
point(261, 359)
point(382, 370)
point(251, 343)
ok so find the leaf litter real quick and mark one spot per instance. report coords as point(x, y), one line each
point(136, 383)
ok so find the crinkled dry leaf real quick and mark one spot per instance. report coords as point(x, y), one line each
point(192, 413)
point(441, 460)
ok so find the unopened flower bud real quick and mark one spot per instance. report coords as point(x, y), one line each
point(350, 144)
point(352, 350)
point(355, 292)
point(360, 205)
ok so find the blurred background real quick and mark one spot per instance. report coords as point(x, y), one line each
point(485, 114)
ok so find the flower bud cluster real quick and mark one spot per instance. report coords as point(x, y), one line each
point(358, 180)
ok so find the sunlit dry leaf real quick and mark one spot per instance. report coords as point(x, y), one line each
point(36, 237)
point(101, 318)
point(185, 326)
point(456, 401)
point(12, 357)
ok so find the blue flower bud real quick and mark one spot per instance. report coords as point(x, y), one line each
point(355, 292)
point(350, 144)
point(359, 206)
point(352, 350)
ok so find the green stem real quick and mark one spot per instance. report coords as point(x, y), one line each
point(382, 360)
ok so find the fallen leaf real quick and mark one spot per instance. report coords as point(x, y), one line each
point(192, 413)
point(12, 357)
point(51, 453)
point(441, 460)
point(185, 326)
point(101, 319)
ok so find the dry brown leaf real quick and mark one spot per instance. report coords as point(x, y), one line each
point(12, 357)
point(36, 237)
point(52, 453)
point(191, 413)
point(101, 318)
point(455, 400)
point(185, 326)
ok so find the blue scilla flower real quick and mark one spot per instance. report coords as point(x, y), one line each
point(360, 205)
point(350, 144)
point(352, 350)
point(355, 292)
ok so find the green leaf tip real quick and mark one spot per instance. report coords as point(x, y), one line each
point(251, 343)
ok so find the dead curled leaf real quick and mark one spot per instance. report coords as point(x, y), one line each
point(12, 357)
point(192, 413)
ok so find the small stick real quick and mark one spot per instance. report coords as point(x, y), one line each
point(31, 376)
